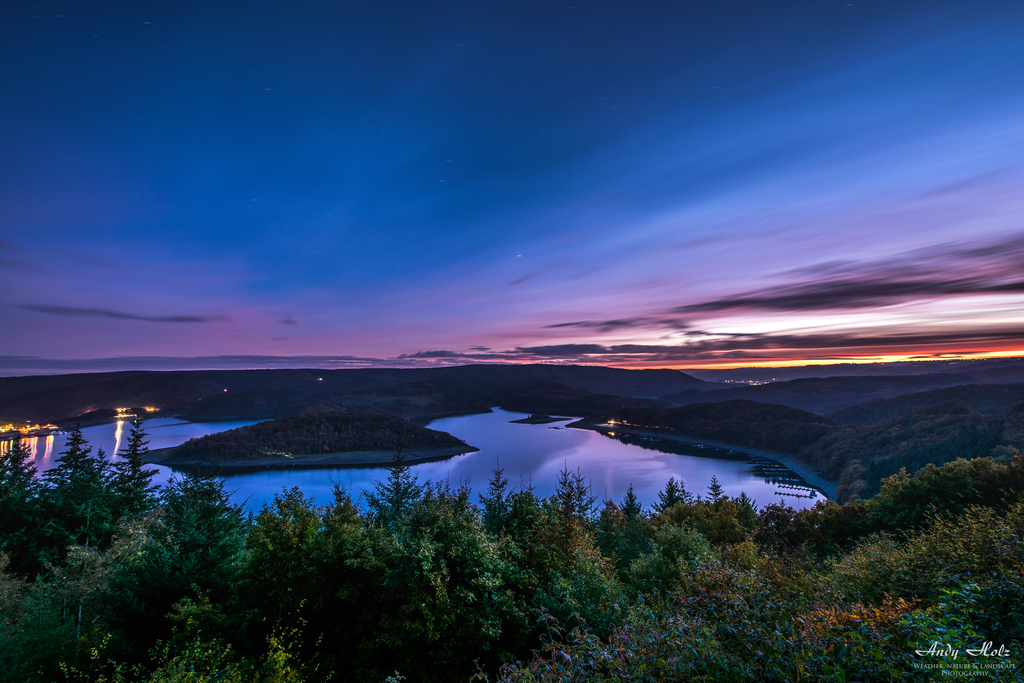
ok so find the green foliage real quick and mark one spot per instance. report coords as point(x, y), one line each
point(906, 502)
point(391, 501)
point(859, 458)
point(132, 488)
point(424, 585)
point(192, 546)
point(675, 550)
point(495, 503)
point(19, 513)
point(674, 492)
point(78, 499)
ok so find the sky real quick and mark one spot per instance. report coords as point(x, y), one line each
point(629, 183)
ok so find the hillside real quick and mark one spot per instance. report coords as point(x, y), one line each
point(981, 370)
point(831, 394)
point(988, 399)
point(857, 457)
point(311, 433)
point(256, 394)
point(860, 457)
point(744, 423)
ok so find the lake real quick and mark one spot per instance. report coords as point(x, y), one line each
point(529, 454)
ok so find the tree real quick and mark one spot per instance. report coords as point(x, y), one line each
point(390, 503)
point(674, 493)
point(631, 507)
point(192, 547)
point(132, 488)
point(715, 490)
point(573, 495)
point(18, 503)
point(78, 497)
point(495, 503)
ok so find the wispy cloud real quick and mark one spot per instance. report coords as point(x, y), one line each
point(949, 270)
point(76, 312)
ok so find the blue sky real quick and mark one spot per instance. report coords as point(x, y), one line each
point(396, 183)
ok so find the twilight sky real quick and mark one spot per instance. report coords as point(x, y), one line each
point(635, 183)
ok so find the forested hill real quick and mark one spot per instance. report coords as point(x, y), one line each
point(336, 431)
point(857, 457)
point(744, 423)
point(826, 395)
point(860, 457)
point(988, 399)
point(256, 394)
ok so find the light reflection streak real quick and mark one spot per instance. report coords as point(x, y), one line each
point(117, 439)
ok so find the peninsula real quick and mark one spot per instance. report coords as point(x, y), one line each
point(315, 439)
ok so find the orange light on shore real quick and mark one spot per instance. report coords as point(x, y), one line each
point(150, 409)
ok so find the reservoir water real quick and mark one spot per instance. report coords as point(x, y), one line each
point(529, 454)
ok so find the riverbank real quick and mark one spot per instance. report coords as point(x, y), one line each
point(826, 486)
point(166, 456)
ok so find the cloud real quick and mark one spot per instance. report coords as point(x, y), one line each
point(626, 323)
point(288, 320)
point(434, 354)
point(755, 345)
point(76, 312)
point(948, 270)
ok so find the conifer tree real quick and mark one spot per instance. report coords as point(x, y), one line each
point(496, 503)
point(715, 490)
point(631, 507)
point(132, 487)
point(675, 492)
point(574, 496)
point(391, 502)
point(18, 503)
point(78, 496)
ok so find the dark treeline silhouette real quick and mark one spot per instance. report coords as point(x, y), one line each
point(744, 423)
point(331, 431)
point(105, 578)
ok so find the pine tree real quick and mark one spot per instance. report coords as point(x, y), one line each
point(574, 496)
point(675, 492)
point(131, 485)
point(496, 503)
point(631, 507)
point(78, 497)
point(194, 548)
point(715, 490)
point(19, 491)
point(746, 501)
point(391, 502)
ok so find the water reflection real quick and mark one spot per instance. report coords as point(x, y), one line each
point(531, 455)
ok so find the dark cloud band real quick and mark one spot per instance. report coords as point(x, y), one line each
point(76, 312)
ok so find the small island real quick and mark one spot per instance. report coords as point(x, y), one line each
point(315, 439)
point(538, 420)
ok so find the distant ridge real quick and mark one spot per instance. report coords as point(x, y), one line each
point(261, 394)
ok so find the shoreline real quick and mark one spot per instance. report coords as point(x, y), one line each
point(165, 456)
point(826, 486)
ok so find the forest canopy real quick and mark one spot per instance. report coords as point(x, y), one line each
point(334, 431)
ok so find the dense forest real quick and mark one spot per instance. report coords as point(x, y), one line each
point(857, 457)
point(103, 577)
point(332, 431)
point(744, 423)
